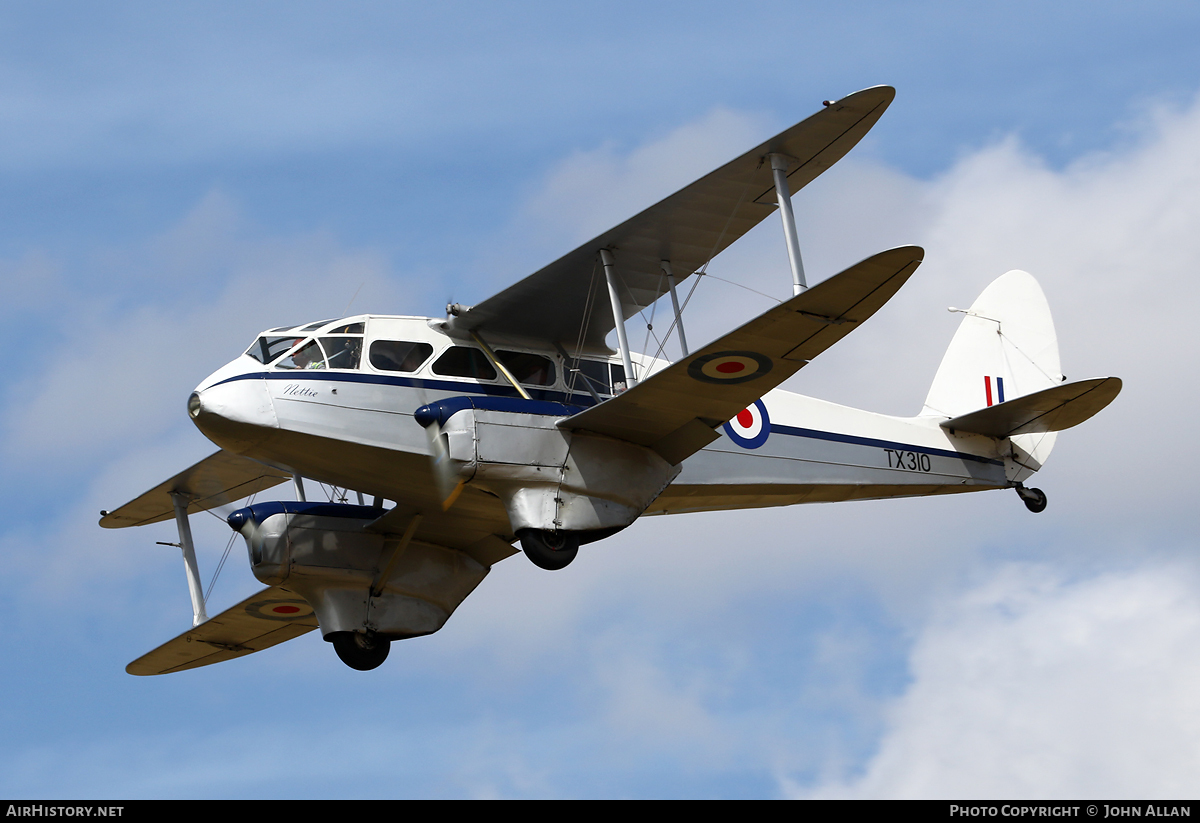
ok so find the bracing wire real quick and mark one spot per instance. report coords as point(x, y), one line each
point(1010, 342)
point(703, 270)
point(584, 324)
point(228, 548)
point(658, 293)
point(744, 286)
point(220, 565)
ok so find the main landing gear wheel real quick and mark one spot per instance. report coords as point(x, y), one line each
point(549, 550)
point(1034, 499)
point(360, 651)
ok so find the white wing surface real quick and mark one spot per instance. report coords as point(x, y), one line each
point(217, 480)
point(258, 622)
point(674, 411)
point(688, 228)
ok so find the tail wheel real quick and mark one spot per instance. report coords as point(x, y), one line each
point(1034, 499)
point(360, 651)
point(549, 550)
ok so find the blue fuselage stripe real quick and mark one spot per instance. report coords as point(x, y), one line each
point(414, 383)
point(579, 400)
point(795, 431)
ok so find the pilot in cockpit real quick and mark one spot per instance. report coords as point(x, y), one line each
point(309, 357)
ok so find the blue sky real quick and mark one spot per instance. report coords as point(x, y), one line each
point(174, 179)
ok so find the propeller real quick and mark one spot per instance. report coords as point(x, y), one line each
point(449, 484)
point(445, 475)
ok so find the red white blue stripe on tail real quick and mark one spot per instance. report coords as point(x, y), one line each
point(994, 388)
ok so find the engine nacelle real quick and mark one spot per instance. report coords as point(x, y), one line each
point(549, 479)
point(324, 553)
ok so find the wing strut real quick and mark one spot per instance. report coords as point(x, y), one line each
point(500, 367)
point(666, 267)
point(610, 275)
point(189, 557)
point(779, 167)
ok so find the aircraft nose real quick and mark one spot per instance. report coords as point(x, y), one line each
point(236, 415)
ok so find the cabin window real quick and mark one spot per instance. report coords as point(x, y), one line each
point(592, 374)
point(462, 361)
point(343, 352)
point(618, 378)
point(308, 356)
point(530, 369)
point(317, 325)
point(606, 378)
point(267, 349)
point(349, 328)
point(399, 355)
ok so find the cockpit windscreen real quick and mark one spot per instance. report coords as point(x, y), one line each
point(267, 349)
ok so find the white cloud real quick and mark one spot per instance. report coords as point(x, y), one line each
point(594, 190)
point(1035, 686)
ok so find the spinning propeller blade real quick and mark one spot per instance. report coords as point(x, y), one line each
point(449, 484)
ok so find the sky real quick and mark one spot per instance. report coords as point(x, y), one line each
point(175, 178)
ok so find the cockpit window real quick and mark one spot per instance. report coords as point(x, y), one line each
point(317, 325)
point(308, 356)
point(266, 348)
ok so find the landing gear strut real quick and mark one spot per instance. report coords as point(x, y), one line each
point(549, 550)
point(360, 651)
point(1034, 499)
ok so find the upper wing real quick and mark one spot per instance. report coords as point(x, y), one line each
point(217, 480)
point(675, 410)
point(1051, 410)
point(258, 622)
point(688, 229)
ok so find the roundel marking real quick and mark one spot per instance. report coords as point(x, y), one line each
point(729, 367)
point(283, 610)
point(751, 427)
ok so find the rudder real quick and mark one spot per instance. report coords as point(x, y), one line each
point(1005, 348)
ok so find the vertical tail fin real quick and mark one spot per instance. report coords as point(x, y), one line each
point(1005, 348)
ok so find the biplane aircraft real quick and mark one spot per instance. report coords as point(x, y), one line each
point(512, 421)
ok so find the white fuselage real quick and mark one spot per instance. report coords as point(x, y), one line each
point(354, 427)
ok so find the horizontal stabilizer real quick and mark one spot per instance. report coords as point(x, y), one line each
point(258, 622)
point(217, 480)
point(675, 410)
point(1050, 410)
